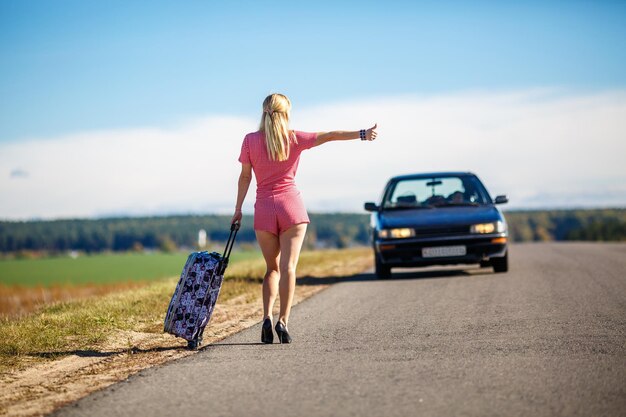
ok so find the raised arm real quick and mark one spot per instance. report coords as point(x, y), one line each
point(323, 137)
point(244, 183)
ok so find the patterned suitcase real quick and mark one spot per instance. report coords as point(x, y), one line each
point(196, 293)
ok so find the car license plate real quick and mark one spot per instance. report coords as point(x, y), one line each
point(439, 251)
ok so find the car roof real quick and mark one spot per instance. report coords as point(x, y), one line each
point(433, 174)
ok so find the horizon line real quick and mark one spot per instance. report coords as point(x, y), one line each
point(198, 214)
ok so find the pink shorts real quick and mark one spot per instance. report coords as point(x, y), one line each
point(279, 212)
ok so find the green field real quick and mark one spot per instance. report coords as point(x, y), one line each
point(99, 269)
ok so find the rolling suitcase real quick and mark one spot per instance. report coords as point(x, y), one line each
point(196, 293)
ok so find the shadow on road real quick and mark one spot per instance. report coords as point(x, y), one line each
point(234, 344)
point(100, 354)
point(446, 273)
point(307, 280)
point(400, 275)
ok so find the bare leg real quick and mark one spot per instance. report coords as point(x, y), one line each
point(290, 244)
point(270, 247)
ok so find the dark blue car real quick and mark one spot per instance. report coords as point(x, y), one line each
point(440, 218)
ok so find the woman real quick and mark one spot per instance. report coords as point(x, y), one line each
point(280, 218)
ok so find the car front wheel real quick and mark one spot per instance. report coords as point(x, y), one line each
point(382, 271)
point(500, 264)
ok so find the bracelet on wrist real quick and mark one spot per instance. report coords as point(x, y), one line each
point(362, 134)
point(237, 209)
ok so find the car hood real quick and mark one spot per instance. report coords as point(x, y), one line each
point(440, 216)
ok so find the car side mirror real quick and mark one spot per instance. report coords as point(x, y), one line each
point(369, 206)
point(501, 199)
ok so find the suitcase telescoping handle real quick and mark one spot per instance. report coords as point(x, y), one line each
point(234, 228)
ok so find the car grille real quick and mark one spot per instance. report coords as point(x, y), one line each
point(441, 231)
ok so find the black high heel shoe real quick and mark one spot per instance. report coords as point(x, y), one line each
point(281, 331)
point(266, 332)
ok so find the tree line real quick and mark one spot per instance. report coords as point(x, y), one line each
point(558, 225)
point(168, 233)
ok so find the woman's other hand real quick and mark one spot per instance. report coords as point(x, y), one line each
point(371, 133)
point(237, 217)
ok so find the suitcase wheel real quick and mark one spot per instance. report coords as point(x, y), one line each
point(194, 344)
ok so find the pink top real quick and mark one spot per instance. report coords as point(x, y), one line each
point(274, 177)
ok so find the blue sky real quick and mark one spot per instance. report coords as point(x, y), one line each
point(124, 107)
point(74, 66)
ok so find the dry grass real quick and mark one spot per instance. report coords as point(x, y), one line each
point(17, 301)
point(27, 284)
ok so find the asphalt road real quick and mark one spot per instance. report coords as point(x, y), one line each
point(548, 338)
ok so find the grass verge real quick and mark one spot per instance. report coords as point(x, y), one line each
point(27, 284)
point(65, 328)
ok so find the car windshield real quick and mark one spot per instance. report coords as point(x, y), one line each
point(436, 192)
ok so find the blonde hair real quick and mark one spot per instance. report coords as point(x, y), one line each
point(275, 124)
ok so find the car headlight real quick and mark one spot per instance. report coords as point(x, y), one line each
point(493, 227)
point(399, 233)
